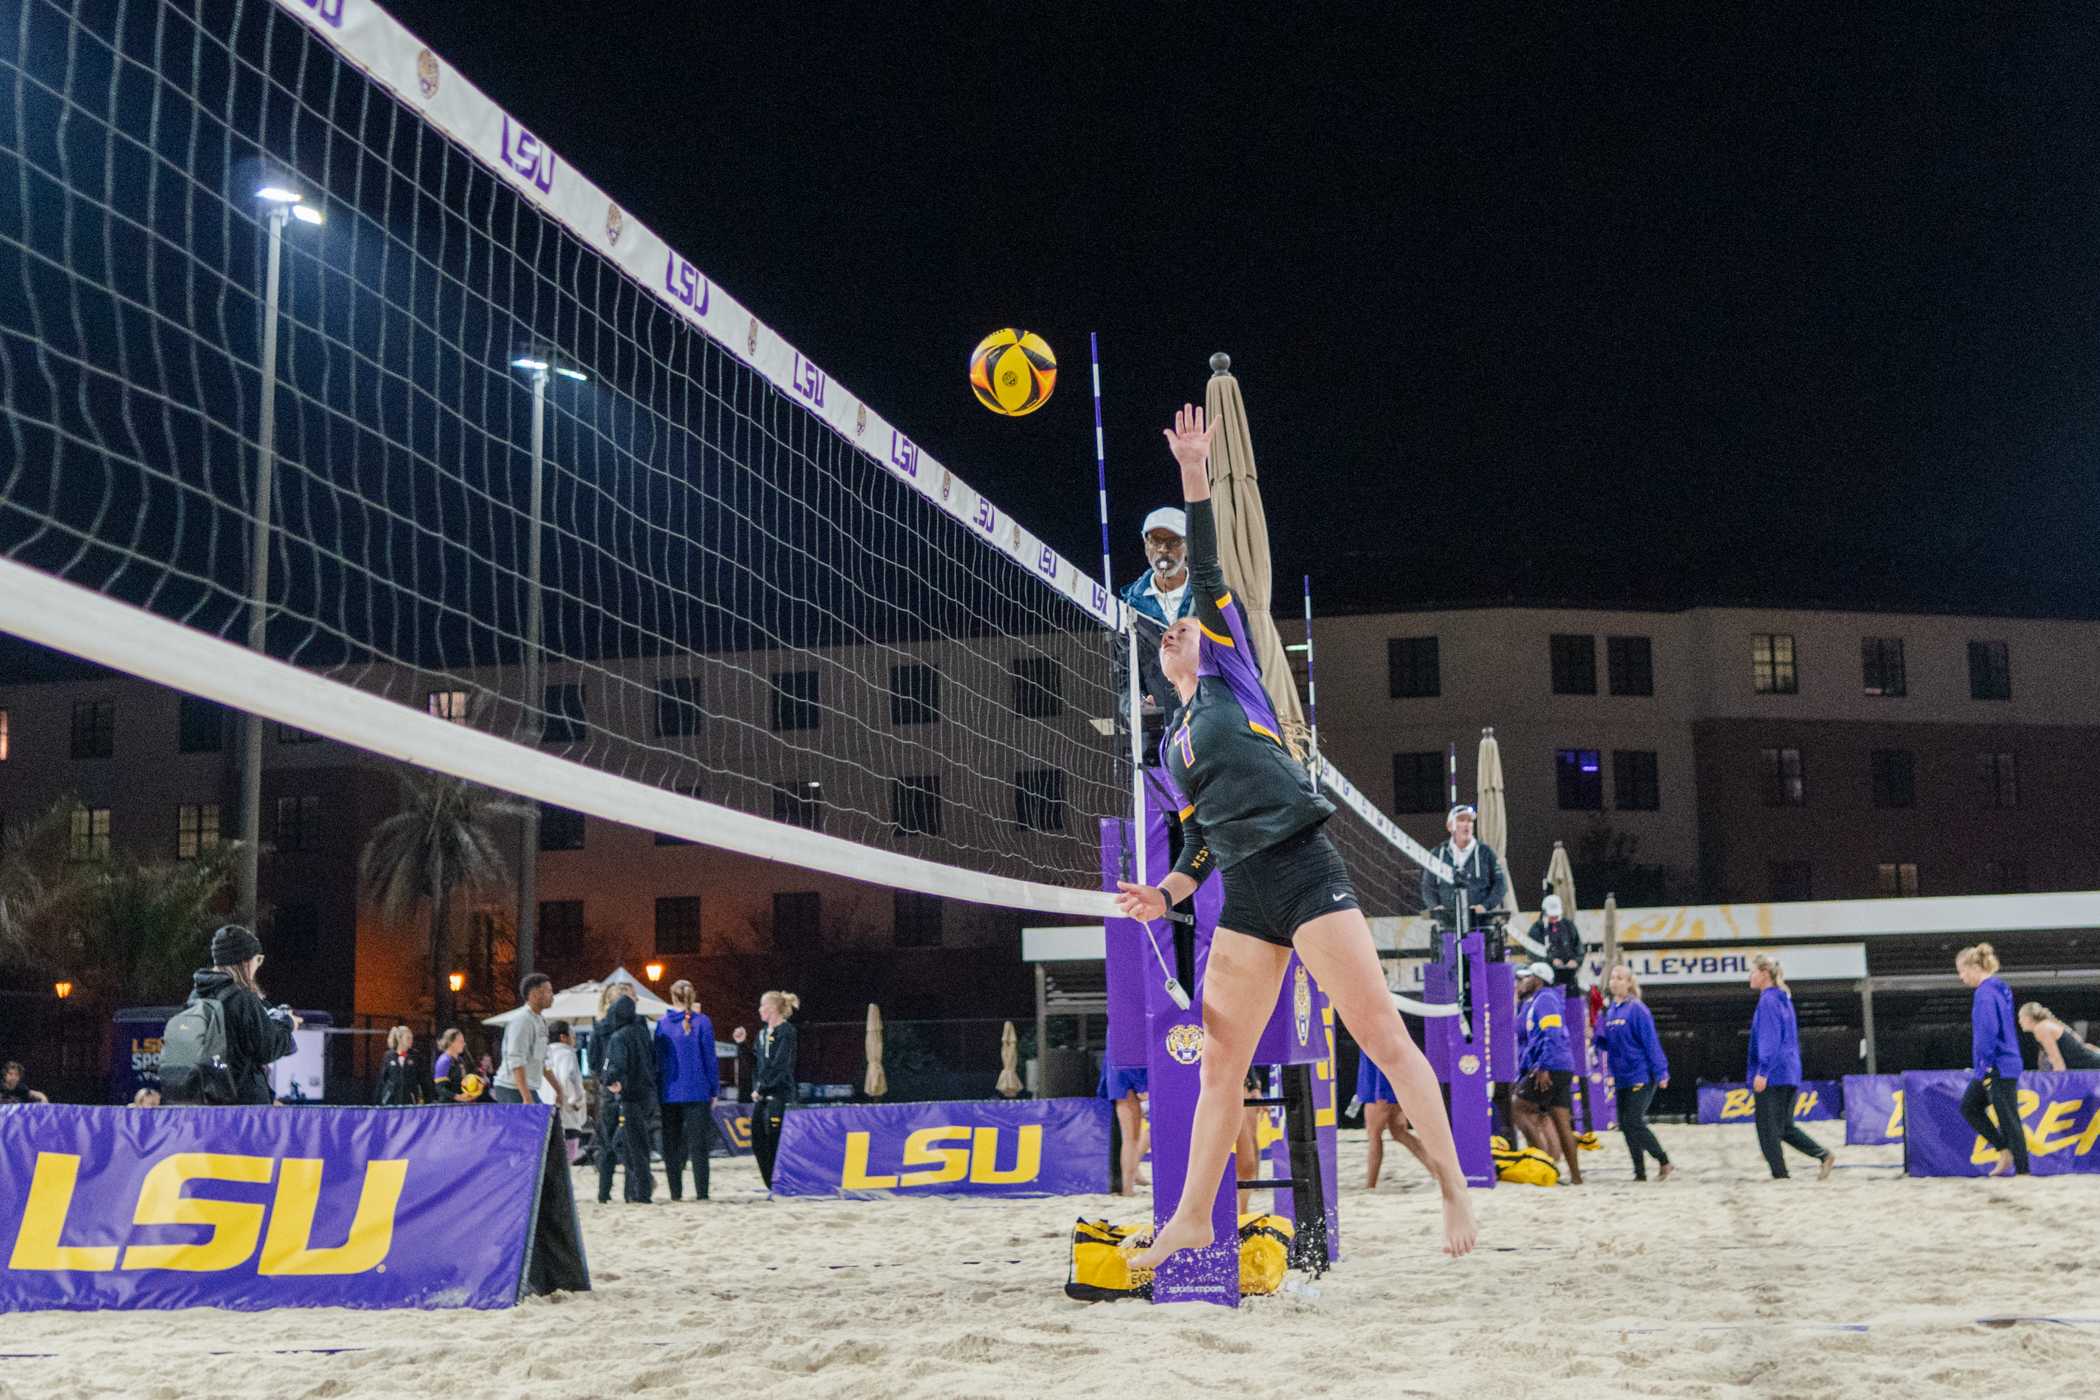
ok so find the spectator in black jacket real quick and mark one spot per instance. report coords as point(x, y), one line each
point(773, 1080)
point(1477, 880)
point(400, 1081)
point(14, 1088)
point(627, 1071)
point(256, 1033)
point(1561, 940)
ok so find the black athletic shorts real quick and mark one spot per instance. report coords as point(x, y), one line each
point(1276, 891)
point(1559, 1094)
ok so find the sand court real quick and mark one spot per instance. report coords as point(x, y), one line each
point(1719, 1283)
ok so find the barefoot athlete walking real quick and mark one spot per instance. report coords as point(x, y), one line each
point(1251, 810)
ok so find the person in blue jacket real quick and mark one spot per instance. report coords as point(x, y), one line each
point(1638, 1069)
point(1994, 1060)
point(1544, 1105)
point(1774, 1071)
point(687, 1078)
point(1126, 1088)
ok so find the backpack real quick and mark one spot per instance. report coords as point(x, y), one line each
point(193, 1066)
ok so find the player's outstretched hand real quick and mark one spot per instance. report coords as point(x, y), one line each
point(1189, 439)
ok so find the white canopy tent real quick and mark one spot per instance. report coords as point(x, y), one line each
point(578, 1005)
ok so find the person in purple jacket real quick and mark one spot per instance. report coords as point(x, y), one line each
point(688, 1077)
point(1994, 1060)
point(1251, 811)
point(1638, 1069)
point(1543, 1105)
point(1774, 1071)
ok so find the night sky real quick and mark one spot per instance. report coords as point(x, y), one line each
point(1650, 309)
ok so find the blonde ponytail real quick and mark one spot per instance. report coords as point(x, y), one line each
point(1772, 968)
point(1981, 955)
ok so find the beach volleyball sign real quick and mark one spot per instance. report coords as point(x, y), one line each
point(466, 1206)
point(1038, 1147)
point(2059, 1113)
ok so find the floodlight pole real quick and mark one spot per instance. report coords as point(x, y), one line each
point(259, 572)
point(535, 687)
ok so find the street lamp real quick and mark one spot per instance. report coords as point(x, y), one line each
point(542, 365)
point(458, 982)
point(284, 204)
point(654, 970)
point(61, 990)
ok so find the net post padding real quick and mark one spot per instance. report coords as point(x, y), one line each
point(73, 619)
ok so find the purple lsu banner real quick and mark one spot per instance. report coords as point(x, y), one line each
point(1816, 1100)
point(1874, 1108)
point(2059, 1113)
point(1036, 1147)
point(732, 1130)
point(255, 1208)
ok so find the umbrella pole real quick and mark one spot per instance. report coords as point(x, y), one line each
point(1312, 684)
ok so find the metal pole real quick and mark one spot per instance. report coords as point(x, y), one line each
point(535, 689)
point(1129, 621)
point(1312, 684)
point(259, 575)
point(1866, 1011)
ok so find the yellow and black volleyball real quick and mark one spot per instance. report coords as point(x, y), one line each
point(1012, 372)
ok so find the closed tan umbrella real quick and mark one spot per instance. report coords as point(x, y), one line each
point(1243, 543)
point(875, 1085)
point(1009, 1051)
point(1611, 933)
point(1491, 816)
point(1560, 878)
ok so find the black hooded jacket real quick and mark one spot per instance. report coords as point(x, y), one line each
point(628, 1056)
point(254, 1038)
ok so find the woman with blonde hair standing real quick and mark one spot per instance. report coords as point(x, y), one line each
point(1994, 1060)
point(1638, 1069)
point(688, 1078)
point(773, 1079)
point(2060, 1049)
point(400, 1082)
point(1775, 1071)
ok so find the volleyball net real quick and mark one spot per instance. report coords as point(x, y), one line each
point(335, 395)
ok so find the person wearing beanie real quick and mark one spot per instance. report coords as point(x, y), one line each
point(256, 1035)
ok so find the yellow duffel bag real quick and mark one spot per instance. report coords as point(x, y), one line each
point(1525, 1166)
point(1101, 1270)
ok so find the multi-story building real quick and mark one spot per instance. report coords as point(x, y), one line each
point(1726, 754)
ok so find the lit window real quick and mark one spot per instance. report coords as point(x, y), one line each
point(1579, 776)
point(1782, 778)
point(447, 705)
point(1772, 664)
point(90, 833)
point(1896, 880)
point(196, 829)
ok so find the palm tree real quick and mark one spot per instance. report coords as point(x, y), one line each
point(439, 844)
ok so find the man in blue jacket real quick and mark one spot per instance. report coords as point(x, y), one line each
point(688, 1076)
point(1543, 1105)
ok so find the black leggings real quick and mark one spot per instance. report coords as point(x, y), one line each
point(1775, 1125)
point(2004, 1095)
point(765, 1136)
point(1633, 1122)
point(623, 1136)
point(688, 1136)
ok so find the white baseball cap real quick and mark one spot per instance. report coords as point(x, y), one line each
point(1551, 907)
point(1542, 971)
point(1172, 518)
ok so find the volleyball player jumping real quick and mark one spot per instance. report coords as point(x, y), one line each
point(1249, 808)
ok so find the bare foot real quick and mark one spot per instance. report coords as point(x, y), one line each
point(1828, 1165)
point(2005, 1165)
point(1460, 1229)
point(1664, 1174)
point(1170, 1239)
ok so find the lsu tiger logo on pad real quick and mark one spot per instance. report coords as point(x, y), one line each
point(1185, 1043)
point(1301, 1004)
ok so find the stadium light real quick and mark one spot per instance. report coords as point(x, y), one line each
point(62, 990)
point(284, 204)
point(541, 362)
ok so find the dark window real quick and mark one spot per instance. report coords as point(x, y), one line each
point(94, 728)
point(295, 932)
point(196, 829)
point(1635, 783)
point(90, 833)
point(2005, 877)
point(561, 828)
point(1631, 661)
point(1039, 687)
point(1772, 664)
point(794, 700)
point(293, 734)
point(1782, 778)
point(1896, 879)
point(915, 806)
point(1881, 666)
point(1418, 782)
point(561, 928)
point(298, 823)
point(2001, 779)
point(1574, 664)
point(1580, 778)
point(200, 725)
point(677, 707)
point(678, 924)
point(564, 718)
point(1990, 671)
point(1790, 880)
point(918, 920)
point(799, 804)
point(1411, 668)
point(798, 919)
point(1039, 799)
point(915, 695)
point(1895, 774)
